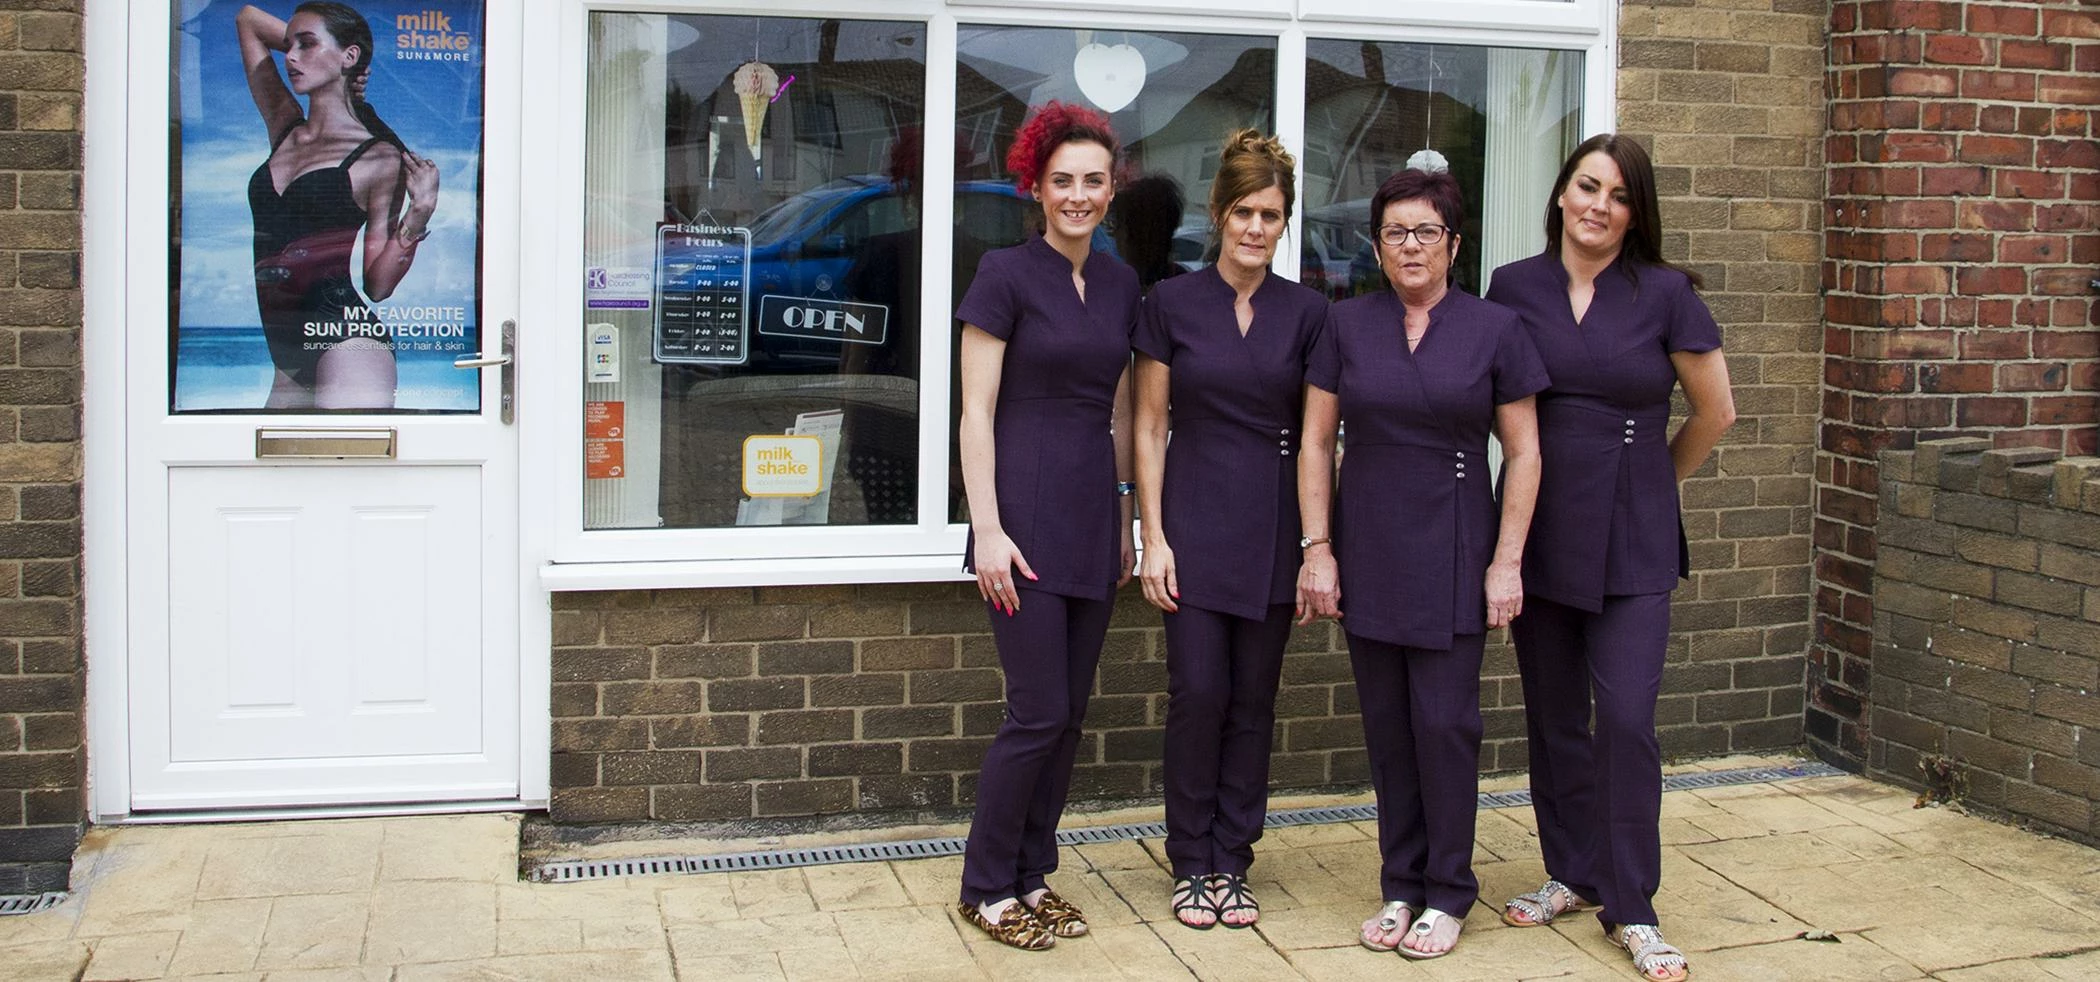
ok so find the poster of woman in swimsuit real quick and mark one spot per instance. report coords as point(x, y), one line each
point(327, 201)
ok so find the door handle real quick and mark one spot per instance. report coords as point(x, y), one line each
point(507, 387)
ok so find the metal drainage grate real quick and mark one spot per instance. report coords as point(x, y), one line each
point(572, 871)
point(29, 903)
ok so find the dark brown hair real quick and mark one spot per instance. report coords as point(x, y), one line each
point(1438, 188)
point(1643, 242)
point(1251, 162)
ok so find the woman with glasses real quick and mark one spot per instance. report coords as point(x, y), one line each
point(1428, 559)
point(1221, 358)
point(1619, 328)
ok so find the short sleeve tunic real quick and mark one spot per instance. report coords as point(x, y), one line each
point(1054, 458)
point(1607, 521)
point(1415, 520)
point(1230, 497)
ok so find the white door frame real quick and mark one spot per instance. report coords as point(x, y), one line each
point(115, 33)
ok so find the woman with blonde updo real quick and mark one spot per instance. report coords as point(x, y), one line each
point(1225, 348)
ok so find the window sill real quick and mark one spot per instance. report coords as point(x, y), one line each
point(813, 571)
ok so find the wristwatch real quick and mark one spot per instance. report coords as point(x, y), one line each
point(1309, 542)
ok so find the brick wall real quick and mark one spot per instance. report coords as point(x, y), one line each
point(723, 704)
point(41, 759)
point(1987, 630)
point(1960, 238)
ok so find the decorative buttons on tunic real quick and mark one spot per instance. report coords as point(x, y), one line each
point(1284, 452)
point(1461, 456)
point(1285, 431)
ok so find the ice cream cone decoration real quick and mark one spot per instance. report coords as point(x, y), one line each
point(756, 83)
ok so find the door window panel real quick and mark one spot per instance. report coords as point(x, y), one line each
point(752, 256)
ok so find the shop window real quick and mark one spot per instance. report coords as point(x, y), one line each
point(752, 253)
point(1501, 119)
point(1172, 98)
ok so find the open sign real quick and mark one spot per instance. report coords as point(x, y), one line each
point(822, 319)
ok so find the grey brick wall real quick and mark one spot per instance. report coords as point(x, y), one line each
point(1987, 630)
point(41, 756)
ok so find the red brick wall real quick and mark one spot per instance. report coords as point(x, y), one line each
point(1959, 234)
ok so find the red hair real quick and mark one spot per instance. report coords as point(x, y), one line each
point(1049, 127)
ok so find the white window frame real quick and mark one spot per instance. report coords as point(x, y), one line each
point(551, 353)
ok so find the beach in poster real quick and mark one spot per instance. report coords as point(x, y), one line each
point(273, 271)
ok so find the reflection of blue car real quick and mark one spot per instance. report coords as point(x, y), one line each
point(805, 246)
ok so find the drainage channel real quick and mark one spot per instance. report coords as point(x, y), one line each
point(575, 871)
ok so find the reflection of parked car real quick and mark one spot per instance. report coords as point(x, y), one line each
point(1338, 258)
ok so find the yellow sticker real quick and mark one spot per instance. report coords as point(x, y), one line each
point(783, 466)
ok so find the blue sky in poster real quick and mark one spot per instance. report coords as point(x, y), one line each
point(434, 105)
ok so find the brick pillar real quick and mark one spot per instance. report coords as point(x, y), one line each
point(41, 756)
point(1959, 241)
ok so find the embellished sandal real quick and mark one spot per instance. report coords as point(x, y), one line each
point(1651, 955)
point(1016, 927)
point(1234, 896)
point(1389, 919)
point(1192, 896)
point(1541, 906)
point(1425, 926)
point(1058, 916)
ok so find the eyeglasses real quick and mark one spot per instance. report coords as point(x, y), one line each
point(1396, 235)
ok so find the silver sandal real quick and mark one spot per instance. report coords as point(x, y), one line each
point(1544, 904)
point(1645, 943)
point(1389, 919)
point(1425, 926)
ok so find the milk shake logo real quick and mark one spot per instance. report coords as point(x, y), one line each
point(428, 36)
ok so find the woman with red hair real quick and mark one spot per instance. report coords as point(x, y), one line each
point(1046, 465)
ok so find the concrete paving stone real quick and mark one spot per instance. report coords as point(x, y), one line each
point(149, 887)
point(1139, 953)
point(1502, 838)
point(55, 924)
point(1681, 832)
point(634, 897)
point(626, 966)
point(2078, 891)
point(46, 959)
point(787, 932)
point(431, 921)
point(855, 886)
point(929, 881)
point(478, 848)
point(696, 898)
point(222, 936)
point(1862, 842)
point(771, 892)
point(1777, 813)
point(929, 940)
point(321, 931)
point(1501, 881)
point(826, 962)
point(1305, 928)
point(221, 977)
point(1308, 836)
point(1702, 910)
point(1790, 851)
point(361, 973)
point(1271, 894)
point(1490, 949)
point(132, 956)
point(1125, 854)
point(2081, 967)
point(1953, 874)
point(1228, 956)
point(275, 866)
point(731, 968)
point(1990, 932)
point(1071, 958)
point(622, 934)
point(529, 937)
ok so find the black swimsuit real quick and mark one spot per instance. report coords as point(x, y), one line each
point(303, 241)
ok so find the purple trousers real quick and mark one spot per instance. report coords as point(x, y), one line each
point(1048, 651)
point(1421, 711)
point(1597, 793)
point(1221, 713)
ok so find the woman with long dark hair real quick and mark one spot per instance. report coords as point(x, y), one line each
point(1619, 329)
point(1046, 465)
point(335, 171)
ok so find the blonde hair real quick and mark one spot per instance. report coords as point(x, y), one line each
point(1248, 163)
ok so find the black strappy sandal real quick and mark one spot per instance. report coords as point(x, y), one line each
point(1237, 897)
point(1192, 893)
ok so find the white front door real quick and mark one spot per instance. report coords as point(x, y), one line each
point(323, 606)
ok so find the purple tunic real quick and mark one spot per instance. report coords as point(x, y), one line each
point(1054, 456)
point(1607, 521)
point(1415, 519)
point(1231, 490)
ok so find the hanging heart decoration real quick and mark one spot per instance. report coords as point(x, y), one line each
point(1110, 76)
